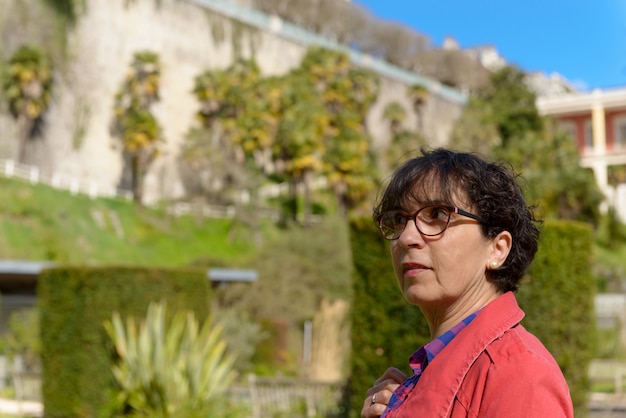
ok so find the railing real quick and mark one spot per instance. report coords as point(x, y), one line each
point(608, 374)
point(270, 397)
point(10, 168)
point(32, 174)
point(265, 397)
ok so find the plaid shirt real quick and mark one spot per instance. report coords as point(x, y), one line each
point(418, 362)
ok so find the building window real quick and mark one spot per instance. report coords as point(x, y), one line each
point(588, 135)
point(568, 127)
point(619, 132)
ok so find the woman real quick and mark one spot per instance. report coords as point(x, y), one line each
point(461, 237)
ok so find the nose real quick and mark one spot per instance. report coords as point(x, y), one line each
point(410, 235)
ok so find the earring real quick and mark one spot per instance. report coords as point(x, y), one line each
point(493, 265)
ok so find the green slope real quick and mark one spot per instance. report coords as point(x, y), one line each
point(38, 222)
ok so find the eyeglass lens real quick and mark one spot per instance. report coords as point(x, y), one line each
point(430, 221)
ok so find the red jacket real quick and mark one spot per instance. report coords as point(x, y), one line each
point(493, 368)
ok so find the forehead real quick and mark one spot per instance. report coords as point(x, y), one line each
point(432, 189)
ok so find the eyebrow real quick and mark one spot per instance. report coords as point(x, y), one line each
point(421, 203)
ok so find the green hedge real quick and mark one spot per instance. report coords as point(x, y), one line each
point(557, 296)
point(74, 302)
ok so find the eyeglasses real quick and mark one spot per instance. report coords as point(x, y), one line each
point(430, 220)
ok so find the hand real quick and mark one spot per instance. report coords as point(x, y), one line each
point(378, 396)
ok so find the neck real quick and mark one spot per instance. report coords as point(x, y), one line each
point(442, 319)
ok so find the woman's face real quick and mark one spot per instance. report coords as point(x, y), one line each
point(445, 270)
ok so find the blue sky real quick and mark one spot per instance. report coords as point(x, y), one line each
point(583, 40)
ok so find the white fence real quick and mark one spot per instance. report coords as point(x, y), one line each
point(74, 185)
point(10, 168)
point(271, 397)
point(265, 397)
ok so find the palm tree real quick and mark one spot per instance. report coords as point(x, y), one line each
point(419, 95)
point(396, 115)
point(347, 94)
point(136, 126)
point(299, 142)
point(28, 89)
point(403, 141)
point(238, 111)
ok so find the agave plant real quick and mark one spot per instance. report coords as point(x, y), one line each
point(170, 367)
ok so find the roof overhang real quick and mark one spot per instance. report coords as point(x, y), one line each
point(18, 276)
point(581, 102)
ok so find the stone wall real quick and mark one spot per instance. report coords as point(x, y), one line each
point(190, 36)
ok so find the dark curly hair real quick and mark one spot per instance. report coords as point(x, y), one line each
point(490, 190)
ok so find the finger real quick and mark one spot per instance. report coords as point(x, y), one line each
point(385, 384)
point(379, 398)
point(382, 390)
point(383, 397)
point(393, 374)
point(388, 384)
point(372, 409)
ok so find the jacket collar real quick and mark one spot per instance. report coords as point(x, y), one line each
point(442, 379)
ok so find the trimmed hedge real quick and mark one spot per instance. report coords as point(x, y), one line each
point(557, 296)
point(74, 302)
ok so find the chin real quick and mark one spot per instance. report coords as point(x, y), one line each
point(418, 298)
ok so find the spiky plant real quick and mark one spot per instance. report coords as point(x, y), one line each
point(169, 367)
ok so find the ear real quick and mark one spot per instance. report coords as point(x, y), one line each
point(500, 248)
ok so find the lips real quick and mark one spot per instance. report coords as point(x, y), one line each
point(413, 267)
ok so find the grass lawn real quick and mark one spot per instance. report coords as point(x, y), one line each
point(41, 223)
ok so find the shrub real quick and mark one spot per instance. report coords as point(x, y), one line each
point(169, 368)
point(557, 296)
point(74, 302)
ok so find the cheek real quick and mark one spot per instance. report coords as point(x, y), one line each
point(460, 253)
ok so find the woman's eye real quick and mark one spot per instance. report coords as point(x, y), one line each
point(398, 218)
point(437, 212)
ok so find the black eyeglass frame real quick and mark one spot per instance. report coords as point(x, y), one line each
point(450, 209)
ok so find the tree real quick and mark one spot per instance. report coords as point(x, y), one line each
point(206, 164)
point(418, 94)
point(28, 90)
point(310, 121)
point(403, 141)
point(238, 114)
point(134, 123)
point(553, 176)
point(511, 105)
point(206, 153)
point(395, 114)
point(502, 121)
point(299, 144)
point(349, 162)
point(346, 94)
point(475, 130)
